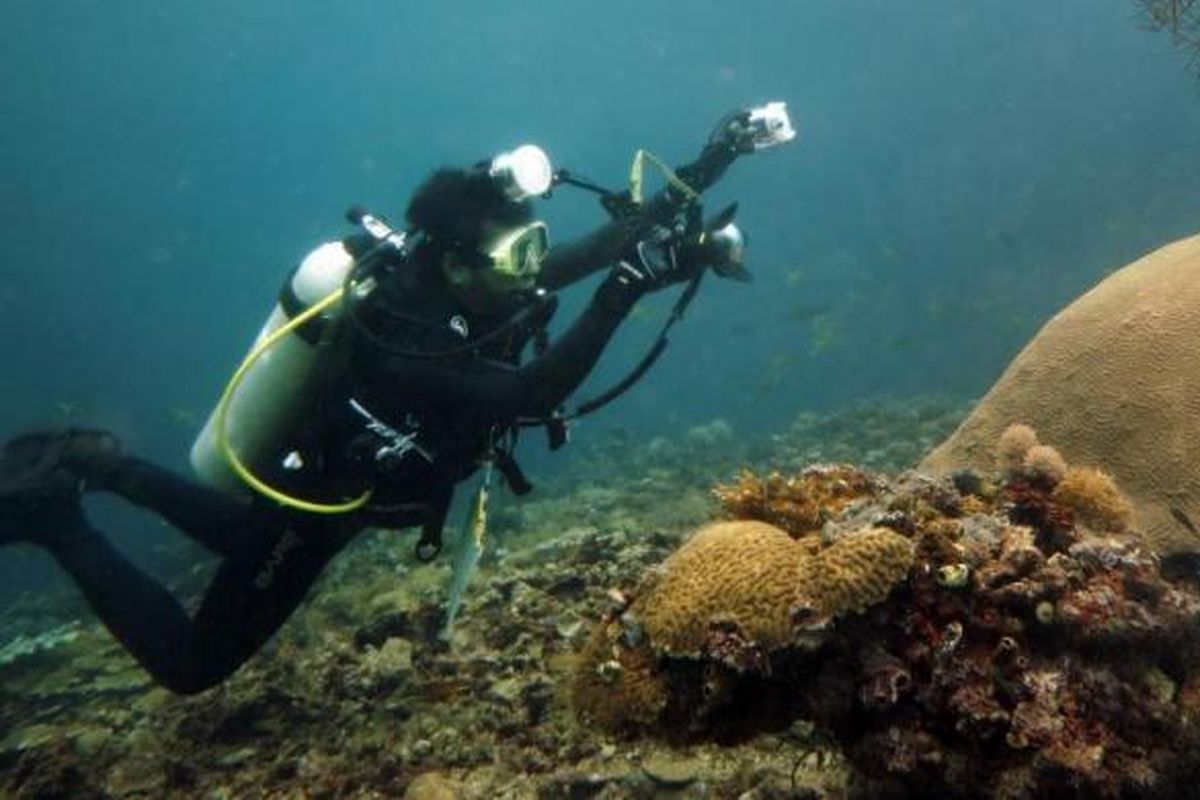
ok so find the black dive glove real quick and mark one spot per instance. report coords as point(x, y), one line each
point(653, 263)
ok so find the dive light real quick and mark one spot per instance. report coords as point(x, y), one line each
point(522, 173)
point(722, 246)
point(727, 248)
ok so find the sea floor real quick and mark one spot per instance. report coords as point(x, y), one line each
point(359, 696)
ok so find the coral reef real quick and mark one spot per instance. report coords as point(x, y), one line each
point(977, 635)
point(751, 580)
point(857, 571)
point(1023, 649)
point(1113, 381)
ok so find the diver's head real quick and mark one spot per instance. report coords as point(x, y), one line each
point(487, 244)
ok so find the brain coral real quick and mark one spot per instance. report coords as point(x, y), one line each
point(1112, 380)
point(747, 572)
point(858, 570)
point(766, 584)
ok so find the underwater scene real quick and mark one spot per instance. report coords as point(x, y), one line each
point(569, 400)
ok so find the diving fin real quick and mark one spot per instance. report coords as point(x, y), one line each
point(90, 454)
point(38, 497)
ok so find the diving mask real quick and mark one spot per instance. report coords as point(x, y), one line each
point(516, 256)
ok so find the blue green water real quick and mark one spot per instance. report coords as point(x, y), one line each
point(962, 170)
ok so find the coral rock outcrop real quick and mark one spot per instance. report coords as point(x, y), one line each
point(1000, 637)
point(729, 601)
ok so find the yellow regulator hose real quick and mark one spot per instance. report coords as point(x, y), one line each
point(243, 472)
point(637, 181)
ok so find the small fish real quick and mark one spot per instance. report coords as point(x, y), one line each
point(793, 276)
point(805, 312)
point(183, 417)
point(640, 314)
point(774, 375)
point(823, 334)
point(65, 410)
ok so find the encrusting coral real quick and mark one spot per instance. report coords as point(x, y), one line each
point(800, 503)
point(1004, 644)
point(1015, 443)
point(1045, 463)
point(620, 685)
point(1113, 380)
point(1094, 498)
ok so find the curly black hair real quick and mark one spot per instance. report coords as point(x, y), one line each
point(452, 205)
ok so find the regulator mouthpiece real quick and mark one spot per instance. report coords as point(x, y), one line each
point(770, 125)
point(522, 173)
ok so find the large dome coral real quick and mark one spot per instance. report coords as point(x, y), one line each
point(1113, 380)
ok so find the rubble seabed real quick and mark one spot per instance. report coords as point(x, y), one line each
point(1021, 655)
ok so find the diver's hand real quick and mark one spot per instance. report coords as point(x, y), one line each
point(752, 129)
point(733, 134)
point(653, 263)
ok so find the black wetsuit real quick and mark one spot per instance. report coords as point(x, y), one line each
point(271, 554)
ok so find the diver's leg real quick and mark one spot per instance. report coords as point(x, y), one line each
point(253, 593)
point(136, 609)
point(213, 518)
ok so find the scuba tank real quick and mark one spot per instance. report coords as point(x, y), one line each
point(269, 394)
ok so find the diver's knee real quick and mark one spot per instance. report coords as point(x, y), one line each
point(195, 680)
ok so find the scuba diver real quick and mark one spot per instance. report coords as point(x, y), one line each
point(396, 365)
